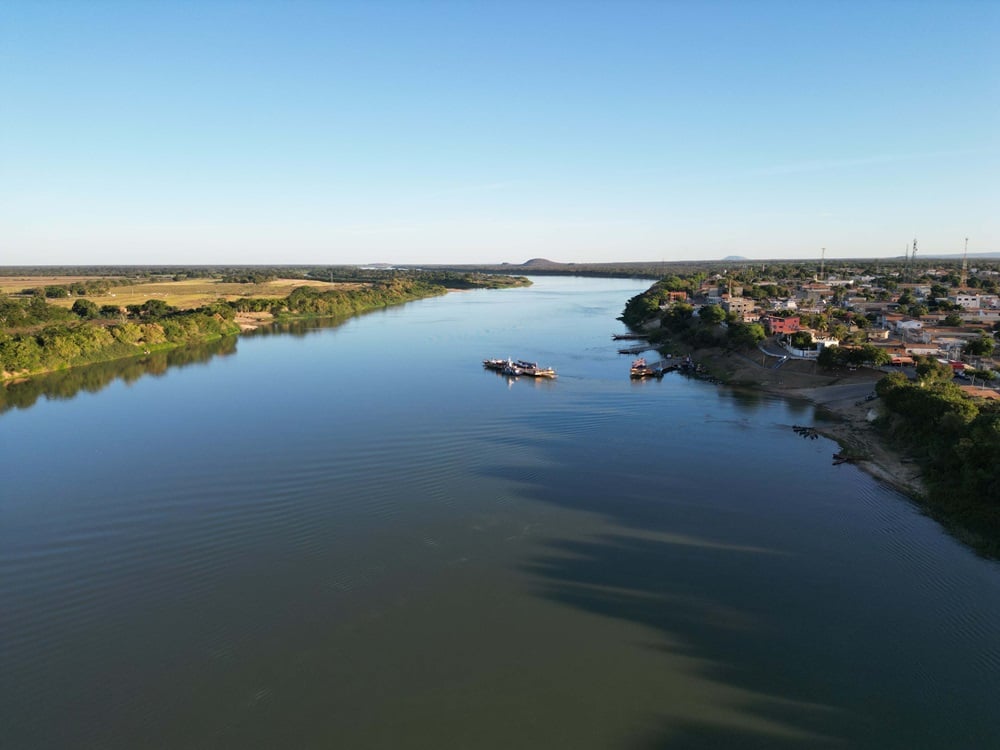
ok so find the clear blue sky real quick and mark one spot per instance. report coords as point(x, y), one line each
point(346, 132)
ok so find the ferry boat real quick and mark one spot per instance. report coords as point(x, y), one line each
point(515, 367)
point(533, 370)
point(640, 369)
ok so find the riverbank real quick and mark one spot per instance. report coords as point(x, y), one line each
point(846, 416)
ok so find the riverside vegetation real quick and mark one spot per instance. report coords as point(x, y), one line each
point(37, 336)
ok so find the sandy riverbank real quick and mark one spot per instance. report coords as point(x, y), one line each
point(251, 321)
point(840, 394)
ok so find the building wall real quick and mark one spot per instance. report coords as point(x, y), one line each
point(781, 325)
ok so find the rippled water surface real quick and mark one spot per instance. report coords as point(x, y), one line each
point(354, 536)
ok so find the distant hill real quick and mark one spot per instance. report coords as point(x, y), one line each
point(541, 263)
point(731, 258)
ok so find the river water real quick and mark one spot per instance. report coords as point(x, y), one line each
point(353, 536)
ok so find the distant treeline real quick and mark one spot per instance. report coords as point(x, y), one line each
point(87, 287)
point(901, 268)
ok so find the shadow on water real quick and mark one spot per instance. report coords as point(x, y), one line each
point(761, 642)
point(66, 384)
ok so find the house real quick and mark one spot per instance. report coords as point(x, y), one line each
point(773, 324)
point(907, 326)
point(976, 392)
point(821, 342)
point(784, 304)
point(739, 305)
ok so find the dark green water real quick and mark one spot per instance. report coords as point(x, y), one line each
point(355, 537)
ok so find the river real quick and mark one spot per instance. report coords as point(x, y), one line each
point(353, 536)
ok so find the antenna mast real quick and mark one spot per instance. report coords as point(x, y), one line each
point(965, 265)
point(822, 259)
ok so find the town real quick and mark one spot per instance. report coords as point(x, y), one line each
point(845, 315)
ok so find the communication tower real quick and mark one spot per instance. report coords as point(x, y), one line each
point(965, 265)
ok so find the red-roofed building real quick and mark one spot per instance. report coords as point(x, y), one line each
point(773, 324)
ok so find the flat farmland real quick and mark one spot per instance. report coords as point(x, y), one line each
point(184, 294)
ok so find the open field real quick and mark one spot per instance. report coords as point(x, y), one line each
point(184, 294)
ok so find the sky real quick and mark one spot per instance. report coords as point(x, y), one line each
point(213, 132)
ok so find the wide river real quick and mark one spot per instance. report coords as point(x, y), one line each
point(353, 536)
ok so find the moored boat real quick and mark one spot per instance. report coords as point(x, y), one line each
point(532, 369)
point(642, 369)
point(519, 367)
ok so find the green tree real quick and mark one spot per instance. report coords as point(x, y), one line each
point(712, 314)
point(981, 347)
point(930, 371)
point(127, 333)
point(830, 357)
point(802, 340)
point(746, 334)
point(874, 356)
point(952, 319)
point(152, 333)
point(85, 309)
point(155, 308)
point(677, 317)
point(19, 353)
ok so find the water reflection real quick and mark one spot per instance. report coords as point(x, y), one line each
point(66, 384)
point(298, 328)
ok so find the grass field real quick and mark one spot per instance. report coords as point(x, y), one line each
point(185, 294)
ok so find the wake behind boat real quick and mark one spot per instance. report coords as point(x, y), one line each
point(515, 367)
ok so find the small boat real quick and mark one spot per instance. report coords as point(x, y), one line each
point(642, 369)
point(495, 364)
point(532, 369)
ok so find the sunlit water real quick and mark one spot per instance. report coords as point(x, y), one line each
point(356, 537)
